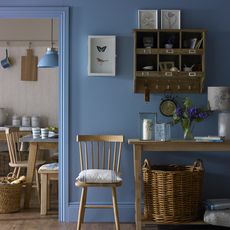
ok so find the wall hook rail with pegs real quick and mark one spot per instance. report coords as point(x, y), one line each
point(147, 92)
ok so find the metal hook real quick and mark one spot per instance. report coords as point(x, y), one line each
point(147, 92)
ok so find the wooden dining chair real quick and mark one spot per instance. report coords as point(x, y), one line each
point(100, 167)
point(48, 172)
point(16, 162)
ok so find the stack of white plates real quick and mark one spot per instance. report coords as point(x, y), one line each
point(36, 132)
point(44, 133)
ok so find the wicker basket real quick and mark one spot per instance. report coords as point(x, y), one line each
point(172, 193)
point(10, 196)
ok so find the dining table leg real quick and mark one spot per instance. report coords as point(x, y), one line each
point(33, 148)
point(137, 176)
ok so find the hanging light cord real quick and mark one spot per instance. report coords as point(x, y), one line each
point(52, 33)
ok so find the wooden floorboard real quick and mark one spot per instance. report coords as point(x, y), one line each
point(31, 220)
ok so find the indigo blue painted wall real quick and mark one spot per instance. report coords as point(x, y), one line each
point(108, 104)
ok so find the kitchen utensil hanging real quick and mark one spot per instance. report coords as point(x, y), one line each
point(6, 62)
point(29, 66)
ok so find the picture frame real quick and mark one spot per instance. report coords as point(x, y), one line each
point(170, 19)
point(101, 55)
point(162, 132)
point(166, 65)
point(147, 19)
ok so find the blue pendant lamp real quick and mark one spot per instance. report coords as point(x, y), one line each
point(50, 59)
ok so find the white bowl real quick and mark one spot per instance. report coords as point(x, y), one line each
point(149, 67)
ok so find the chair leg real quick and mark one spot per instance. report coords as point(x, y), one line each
point(37, 185)
point(44, 194)
point(115, 208)
point(18, 172)
point(14, 172)
point(81, 211)
point(48, 196)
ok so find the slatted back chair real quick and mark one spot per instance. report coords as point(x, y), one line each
point(100, 167)
point(16, 162)
point(12, 137)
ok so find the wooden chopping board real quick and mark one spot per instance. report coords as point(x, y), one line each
point(29, 66)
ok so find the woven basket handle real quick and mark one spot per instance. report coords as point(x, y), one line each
point(198, 164)
point(146, 164)
point(10, 175)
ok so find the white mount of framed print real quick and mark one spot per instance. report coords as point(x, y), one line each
point(147, 19)
point(101, 55)
point(170, 19)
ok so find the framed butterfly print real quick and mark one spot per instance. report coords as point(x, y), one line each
point(147, 19)
point(101, 55)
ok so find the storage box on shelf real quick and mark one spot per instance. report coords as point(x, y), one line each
point(157, 51)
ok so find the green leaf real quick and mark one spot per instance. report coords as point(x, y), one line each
point(185, 123)
point(187, 102)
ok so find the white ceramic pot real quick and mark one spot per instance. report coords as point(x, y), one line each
point(3, 116)
point(26, 121)
point(16, 121)
point(35, 121)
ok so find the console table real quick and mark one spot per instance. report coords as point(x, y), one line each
point(176, 145)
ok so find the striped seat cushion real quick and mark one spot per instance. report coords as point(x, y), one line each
point(98, 176)
point(51, 166)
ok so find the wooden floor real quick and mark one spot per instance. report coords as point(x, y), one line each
point(31, 220)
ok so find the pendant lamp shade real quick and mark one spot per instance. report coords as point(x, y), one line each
point(50, 59)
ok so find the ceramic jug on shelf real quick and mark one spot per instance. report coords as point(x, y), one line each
point(26, 121)
point(16, 120)
point(35, 121)
point(3, 116)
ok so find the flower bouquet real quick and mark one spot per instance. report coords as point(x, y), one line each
point(187, 114)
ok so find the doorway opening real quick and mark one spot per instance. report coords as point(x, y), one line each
point(62, 15)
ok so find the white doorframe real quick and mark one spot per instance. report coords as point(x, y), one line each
point(62, 14)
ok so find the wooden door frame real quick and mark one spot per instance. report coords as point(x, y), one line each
point(62, 14)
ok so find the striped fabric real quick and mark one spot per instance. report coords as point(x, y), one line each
point(98, 176)
point(51, 166)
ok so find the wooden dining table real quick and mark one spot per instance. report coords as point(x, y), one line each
point(34, 146)
point(21, 133)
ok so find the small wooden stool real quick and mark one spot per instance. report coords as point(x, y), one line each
point(47, 172)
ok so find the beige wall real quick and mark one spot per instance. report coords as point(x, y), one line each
point(20, 32)
point(29, 97)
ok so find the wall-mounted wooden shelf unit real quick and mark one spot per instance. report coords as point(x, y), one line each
point(157, 51)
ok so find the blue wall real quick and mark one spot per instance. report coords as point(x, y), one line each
point(108, 105)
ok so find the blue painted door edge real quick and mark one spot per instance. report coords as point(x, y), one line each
point(62, 13)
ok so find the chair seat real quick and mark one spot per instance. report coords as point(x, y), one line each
point(98, 176)
point(49, 168)
point(24, 164)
